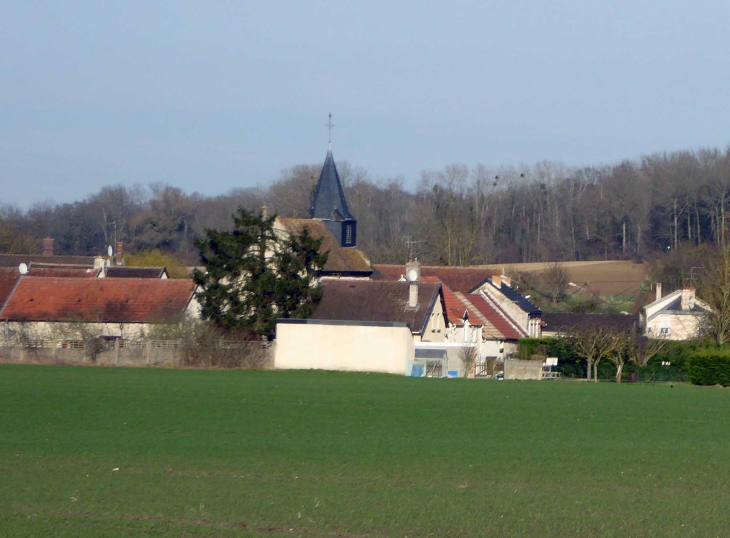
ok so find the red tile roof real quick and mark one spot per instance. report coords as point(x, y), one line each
point(454, 308)
point(496, 316)
point(8, 277)
point(133, 300)
point(339, 259)
point(461, 279)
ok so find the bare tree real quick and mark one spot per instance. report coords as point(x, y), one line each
point(555, 281)
point(592, 344)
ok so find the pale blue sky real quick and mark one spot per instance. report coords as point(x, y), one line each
point(209, 96)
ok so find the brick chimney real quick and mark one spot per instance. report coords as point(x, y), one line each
point(120, 254)
point(658, 290)
point(48, 247)
point(688, 298)
point(497, 280)
point(507, 281)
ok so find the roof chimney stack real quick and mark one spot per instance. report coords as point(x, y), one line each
point(120, 254)
point(48, 247)
point(497, 281)
point(413, 274)
point(658, 290)
point(688, 298)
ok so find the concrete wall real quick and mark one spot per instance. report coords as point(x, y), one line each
point(517, 369)
point(360, 347)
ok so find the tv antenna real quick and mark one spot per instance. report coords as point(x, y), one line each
point(329, 126)
point(408, 240)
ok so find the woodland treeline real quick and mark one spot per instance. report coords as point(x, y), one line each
point(454, 216)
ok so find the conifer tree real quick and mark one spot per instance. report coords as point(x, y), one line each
point(254, 276)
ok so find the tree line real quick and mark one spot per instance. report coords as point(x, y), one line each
point(458, 215)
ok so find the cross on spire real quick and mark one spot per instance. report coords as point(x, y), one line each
point(329, 125)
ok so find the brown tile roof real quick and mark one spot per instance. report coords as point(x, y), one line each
point(376, 300)
point(499, 319)
point(340, 260)
point(139, 300)
point(134, 272)
point(461, 279)
point(63, 271)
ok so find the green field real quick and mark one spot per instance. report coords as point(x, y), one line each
point(235, 453)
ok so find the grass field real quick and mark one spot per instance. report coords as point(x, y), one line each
point(233, 453)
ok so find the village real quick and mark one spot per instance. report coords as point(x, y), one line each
point(413, 320)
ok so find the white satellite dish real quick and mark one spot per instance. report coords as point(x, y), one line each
point(412, 275)
point(109, 250)
point(23, 268)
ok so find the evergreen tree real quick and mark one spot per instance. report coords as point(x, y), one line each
point(254, 276)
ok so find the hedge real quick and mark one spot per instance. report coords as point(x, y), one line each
point(710, 367)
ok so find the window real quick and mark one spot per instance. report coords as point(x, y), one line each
point(348, 234)
point(664, 330)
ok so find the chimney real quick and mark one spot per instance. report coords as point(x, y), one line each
point(413, 295)
point(507, 281)
point(413, 274)
point(497, 280)
point(658, 290)
point(120, 253)
point(688, 298)
point(48, 247)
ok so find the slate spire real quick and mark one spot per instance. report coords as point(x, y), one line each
point(329, 198)
point(329, 204)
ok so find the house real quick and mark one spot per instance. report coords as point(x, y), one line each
point(557, 324)
point(497, 289)
point(528, 316)
point(363, 325)
point(56, 308)
point(676, 316)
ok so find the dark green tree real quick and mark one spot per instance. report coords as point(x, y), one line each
point(254, 275)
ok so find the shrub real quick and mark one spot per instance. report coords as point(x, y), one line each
point(710, 367)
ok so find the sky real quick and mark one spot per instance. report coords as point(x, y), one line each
point(211, 96)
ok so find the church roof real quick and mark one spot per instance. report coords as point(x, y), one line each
point(351, 261)
point(329, 197)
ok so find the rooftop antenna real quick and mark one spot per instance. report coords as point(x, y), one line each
point(329, 126)
point(408, 240)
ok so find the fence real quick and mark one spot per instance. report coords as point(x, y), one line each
point(148, 352)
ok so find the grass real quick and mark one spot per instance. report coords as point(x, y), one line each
point(233, 453)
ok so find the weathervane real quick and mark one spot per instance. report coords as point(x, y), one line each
point(329, 125)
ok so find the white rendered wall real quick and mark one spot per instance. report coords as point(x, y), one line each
point(355, 348)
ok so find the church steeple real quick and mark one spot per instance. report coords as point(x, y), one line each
point(329, 204)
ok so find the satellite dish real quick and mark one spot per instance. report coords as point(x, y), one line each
point(412, 275)
point(109, 250)
point(23, 268)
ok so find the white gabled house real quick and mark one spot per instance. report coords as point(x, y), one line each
point(676, 316)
